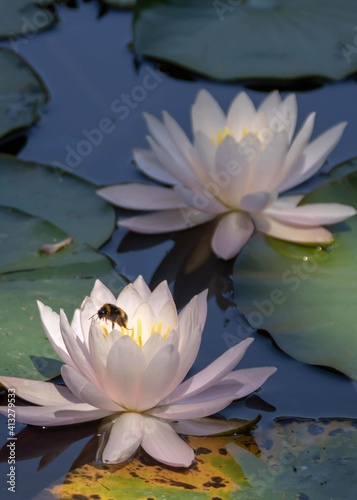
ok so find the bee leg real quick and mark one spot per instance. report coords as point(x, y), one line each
point(112, 325)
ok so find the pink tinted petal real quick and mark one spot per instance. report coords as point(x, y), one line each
point(51, 325)
point(236, 384)
point(288, 232)
point(130, 299)
point(183, 144)
point(312, 214)
point(124, 439)
point(297, 149)
point(249, 379)
point(212, 374)
point(76, 349)
point(314, 156)
point(86, 391)
point(168, 317)
point(140, 196)
point(207, 115)
point(256, 202)
point(166, 222)
point(240, 115)
point(204, 426)
point(148, 163)
point(207, 151)
point(56, 415)
point(158, 376)
point(174, 164)
point(194, 410)
point(200, 201)
point(142, 321)
point(124, 374)
point(38, 392)
point(231, 234)
point(162, 443)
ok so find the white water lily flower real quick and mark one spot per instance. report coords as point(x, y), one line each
point(235, 170)
point(133, 374)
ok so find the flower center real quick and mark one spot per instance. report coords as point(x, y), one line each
point(138, 333)
point(221, 134)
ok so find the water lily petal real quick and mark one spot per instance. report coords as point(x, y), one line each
point(101, 294)
point(314, 156)
point(141, 287)
point(160, 296)
point(203, 426)
point(231, 234)
point(183, 145)
point(56, 415)
point(51, 325)
point(236, 385)
point(207, 115)
point(40, 393)
point(240, 115)
point(125, 368)
point(296, 150)
point(312, 214)
point(158, 376)
point(256, 202)
point(130, 299)
point(289, 232)
point(175, 166)
point(206, 149)
point(167, 317)
point(212, 374)
point(201, 201)
point(124, 439)
point(99, 348)
point(77, 350)
point(142, 321)
point(87, 392)
point(271, 103)
point(141, 196)
point(166, 222)
point(147, 162)
point(286, 116)
point(156, 342)
point(194, 410)
point(162, 443)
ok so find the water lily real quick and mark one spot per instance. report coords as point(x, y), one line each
point(133, 374)
point(235, 170)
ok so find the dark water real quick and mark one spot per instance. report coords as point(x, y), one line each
point(87, 64)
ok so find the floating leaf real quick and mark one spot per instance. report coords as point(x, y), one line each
point(58, 197)
point(250, 39)
point(25, 17)
point(306, 297)
point(22, 93)
point(119, 3)
point(296, 456)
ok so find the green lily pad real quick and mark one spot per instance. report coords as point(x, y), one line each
point(119, 4)
point(25, 350)
point(300, 459)
point(294, 459)
point(22, 94)
point(250, 39)
point(25, 17)
point(60, 198)
point(306, 297)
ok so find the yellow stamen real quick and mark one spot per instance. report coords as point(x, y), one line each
point(222, 134)
point(136, 333)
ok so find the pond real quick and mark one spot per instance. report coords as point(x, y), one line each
point(88, 64)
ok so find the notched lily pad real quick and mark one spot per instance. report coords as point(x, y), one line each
point(250, 39)
point(22, 94)
point(58, 197)
point(306, 297)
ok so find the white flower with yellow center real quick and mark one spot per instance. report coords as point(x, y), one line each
point(235, 171)
point(132, 370)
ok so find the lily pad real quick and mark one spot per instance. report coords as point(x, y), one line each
point(60, 198)
point(277, 461)
point(306, 297)
point(250, 39)
point(25, 17)
point(22, 94)
point(119, 4)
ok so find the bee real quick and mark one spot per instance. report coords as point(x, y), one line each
point(110, 312)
